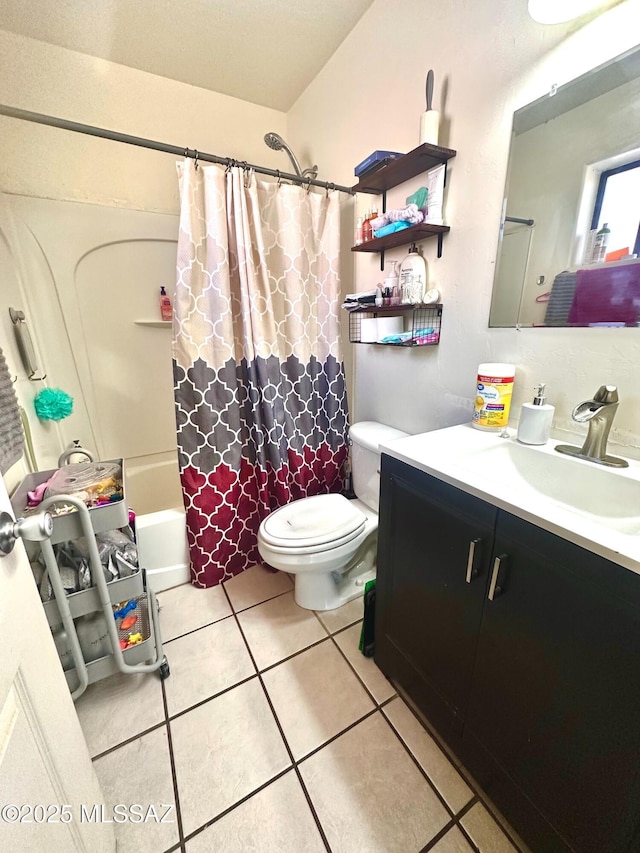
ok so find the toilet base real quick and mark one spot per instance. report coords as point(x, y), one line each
point(315, 591)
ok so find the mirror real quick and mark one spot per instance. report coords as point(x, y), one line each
point(574, 167)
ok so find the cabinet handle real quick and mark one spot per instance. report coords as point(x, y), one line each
point(471, 570)
point(494, 589)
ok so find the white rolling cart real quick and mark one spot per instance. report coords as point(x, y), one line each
point(104, 597)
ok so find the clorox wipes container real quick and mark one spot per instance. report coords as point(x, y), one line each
point(493, 396)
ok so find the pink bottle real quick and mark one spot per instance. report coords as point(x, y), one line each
point(166, 310)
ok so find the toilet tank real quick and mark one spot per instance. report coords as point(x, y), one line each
point(366, 438)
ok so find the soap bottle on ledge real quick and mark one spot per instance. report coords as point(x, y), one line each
point(536, 419)
point(166, 310)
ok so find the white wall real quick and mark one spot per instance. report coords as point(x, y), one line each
point(491, 58)
point(51, 163)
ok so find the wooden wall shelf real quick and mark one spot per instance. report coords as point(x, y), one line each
point(404, 238)
point(421, 159)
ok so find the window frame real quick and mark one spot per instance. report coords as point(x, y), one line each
point(602, 185)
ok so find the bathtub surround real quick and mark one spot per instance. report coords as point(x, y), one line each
point(261, 407)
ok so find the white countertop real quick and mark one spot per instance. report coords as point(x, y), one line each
point(594, 506)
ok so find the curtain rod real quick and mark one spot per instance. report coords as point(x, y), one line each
point(519, 220)
point(180, 151)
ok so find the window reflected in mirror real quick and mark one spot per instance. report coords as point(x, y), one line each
point(569, 244)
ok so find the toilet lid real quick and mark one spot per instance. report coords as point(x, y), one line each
point(313, 521)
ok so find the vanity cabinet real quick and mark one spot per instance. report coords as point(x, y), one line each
point(523, 651)
point(434, 548)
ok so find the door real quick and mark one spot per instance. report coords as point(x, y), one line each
point(434, 548)
point(556, 690)
point(46, 775)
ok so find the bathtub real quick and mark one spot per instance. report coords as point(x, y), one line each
point(154, 494)
point(162, 547)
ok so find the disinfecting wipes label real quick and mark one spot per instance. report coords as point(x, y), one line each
point(493, 400)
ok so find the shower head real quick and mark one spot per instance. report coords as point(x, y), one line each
point(277, 143)
point(274, 141)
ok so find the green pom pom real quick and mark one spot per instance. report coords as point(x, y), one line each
point(52, 404)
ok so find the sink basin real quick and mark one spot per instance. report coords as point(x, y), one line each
point(600, 494)
point(594, 506)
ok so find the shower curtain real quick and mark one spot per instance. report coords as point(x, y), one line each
point(260, 395)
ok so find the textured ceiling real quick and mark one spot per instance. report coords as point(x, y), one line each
point(263, 51)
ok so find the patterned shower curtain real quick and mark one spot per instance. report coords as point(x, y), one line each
point(260, 393)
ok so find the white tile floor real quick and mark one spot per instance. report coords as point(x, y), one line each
point(273, 734)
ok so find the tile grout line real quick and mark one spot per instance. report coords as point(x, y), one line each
point(378, 706)
point(129, 740)
point(243, 681)
point(222, 618)
point(476, 797)
point(199, 704)
point(234, 806)
point(291, 656)
point(468, 780)
point(453, 824)
point(174, 776)
point(314, 814)
point(423, 772)
point(449, 825)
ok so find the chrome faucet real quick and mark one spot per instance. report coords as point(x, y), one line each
point(599, 414)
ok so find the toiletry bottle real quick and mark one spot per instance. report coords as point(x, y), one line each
point(366, 228)
point(379, 297)
point(165, 305)
point(536, 419)
point(601, 242)
point(392, 281)
point(358, 240)
point(413, 276)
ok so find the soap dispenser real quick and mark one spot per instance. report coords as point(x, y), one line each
point(536, 419)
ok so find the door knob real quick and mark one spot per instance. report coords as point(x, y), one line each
point(34, 528)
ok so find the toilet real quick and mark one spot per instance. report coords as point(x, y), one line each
point(328, 541)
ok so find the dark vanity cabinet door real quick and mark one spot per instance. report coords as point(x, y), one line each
point(553, 722)
point(434, 549)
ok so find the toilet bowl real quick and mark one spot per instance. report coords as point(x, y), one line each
point(329, 542)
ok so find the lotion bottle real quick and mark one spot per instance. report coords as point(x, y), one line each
point(413, 276)
point(536, 419)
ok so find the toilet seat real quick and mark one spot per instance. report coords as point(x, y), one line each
point(320, 548)
point(309, 524)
